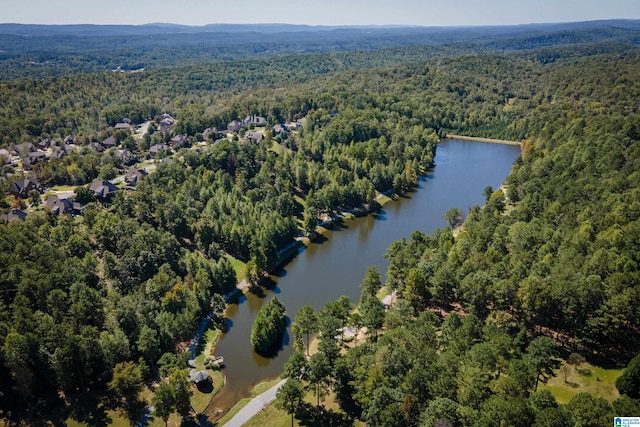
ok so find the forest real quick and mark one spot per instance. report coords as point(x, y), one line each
point(548, 265)
point(72, 49)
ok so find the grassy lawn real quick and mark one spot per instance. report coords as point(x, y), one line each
point(278, 149)
point(63, 187)
point(209, 338)
point(264, 386)
point(271, 416)
point(592, 379)
point(233, 411)
point(200, 400)
point(145, 164)
point(239, 267)
point(258, 389)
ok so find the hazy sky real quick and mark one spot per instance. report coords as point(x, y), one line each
point(315, 12)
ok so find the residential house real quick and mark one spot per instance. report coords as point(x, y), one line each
point(128, 158)
point(254, 120)
point(46, 143)
point(103, 190)
point(110, 142)
point(69, 139)
point(5, 157)
point(57, 153)
point(63, 206)
point(97, 146)
point(23, 187)
point(211, 132)
point(13, 214)
point(155, 149)
point(278, 129)
point(134, 176)
point(33, 158)
point(179, 141)
point(124, 124)
point(166, 121)
point(294, 125)
point(24, 149)
point(254, 136)
point(235, 126)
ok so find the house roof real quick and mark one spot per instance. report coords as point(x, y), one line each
point(134, 175)
point(159, 147)
point(122, 125)
point(235, 126)
point(103, 189)
point(109, 142)
point(25, 147)
point(24, 184)
point(59, 206)
point(14, 214)
point(255, 136)
point(178, 141)
point(256, 120)
point(97, 146)
point(199, 376)
point(57, 153)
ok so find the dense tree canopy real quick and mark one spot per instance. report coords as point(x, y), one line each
point(269, 326)
point(554, 252)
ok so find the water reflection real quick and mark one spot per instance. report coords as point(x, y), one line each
point(335, 263)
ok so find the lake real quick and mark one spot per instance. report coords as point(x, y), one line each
point(336, 264)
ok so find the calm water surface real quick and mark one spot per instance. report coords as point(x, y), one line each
point(325, 271)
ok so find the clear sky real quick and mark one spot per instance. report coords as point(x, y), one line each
point(315, 12)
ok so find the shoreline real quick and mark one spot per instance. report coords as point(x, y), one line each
point(480, 139)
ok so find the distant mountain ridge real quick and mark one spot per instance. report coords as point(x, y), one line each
point(51, 50)
point(272, 28)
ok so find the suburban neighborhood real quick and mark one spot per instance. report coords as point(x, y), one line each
point(126, 160)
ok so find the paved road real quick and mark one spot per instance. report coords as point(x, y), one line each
point(256, 405)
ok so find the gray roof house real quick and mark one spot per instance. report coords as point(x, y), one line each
point(155, 149)
point(13, 214)
point(254, 136)
point(103, 190)
point(127, 157)
point(257, 121)
point(134, 176)
point(63, 206)
point(235, 126)
point(33, 158)
point(46, 143)
point(278, 129)
point(97, 146)
point(109, 142)
point(58, 153)
point(23, 187)
point(179, 141)
point(23, 149)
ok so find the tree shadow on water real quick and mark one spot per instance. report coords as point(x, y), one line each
point(320, 239)
point(380, 215)
point(279, 345)
point(227, 325)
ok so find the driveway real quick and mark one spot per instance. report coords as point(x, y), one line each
point(256, 405)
